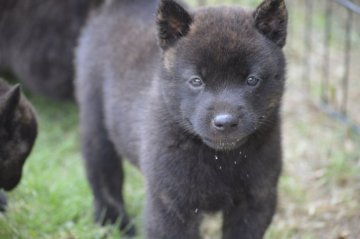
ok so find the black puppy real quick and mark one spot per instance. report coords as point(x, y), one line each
point(37, 41)
point(200, 116)
point(18, 130)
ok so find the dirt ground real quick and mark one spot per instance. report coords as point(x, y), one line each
point(320, 188)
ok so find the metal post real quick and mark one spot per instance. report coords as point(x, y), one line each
point(326, 65)
point(345, 82)
point(308, 43)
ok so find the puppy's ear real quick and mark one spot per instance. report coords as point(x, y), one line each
point(173, 22)
point(9, 102)
point(271, 19)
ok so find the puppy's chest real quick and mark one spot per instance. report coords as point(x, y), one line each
point(213, 189)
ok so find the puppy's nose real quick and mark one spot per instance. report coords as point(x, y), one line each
point(225, 122)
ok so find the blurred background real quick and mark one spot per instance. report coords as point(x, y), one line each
point(319, 195)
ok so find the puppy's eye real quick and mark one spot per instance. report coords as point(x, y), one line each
point(252, 80)
point(196, 82)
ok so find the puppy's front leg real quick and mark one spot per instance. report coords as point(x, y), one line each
point(164, 220)
point(251, 219)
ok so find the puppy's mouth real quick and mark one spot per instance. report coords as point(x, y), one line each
point(224, 144)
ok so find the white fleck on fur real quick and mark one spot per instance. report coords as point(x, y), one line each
point(211, 225)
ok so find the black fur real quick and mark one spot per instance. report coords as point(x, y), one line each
point(37, 39)
point(18, 130)
point(200, 117)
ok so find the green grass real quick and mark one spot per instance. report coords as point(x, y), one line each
point(53, 199)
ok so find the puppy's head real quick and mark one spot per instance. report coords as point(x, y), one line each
point(18, 129)
point(223, 69)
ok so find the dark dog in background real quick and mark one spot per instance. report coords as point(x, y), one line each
point(200, 116)
point(37, 41)
point(18, 130)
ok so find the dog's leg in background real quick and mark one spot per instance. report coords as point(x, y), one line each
point(104, 171)
point(103, 164)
